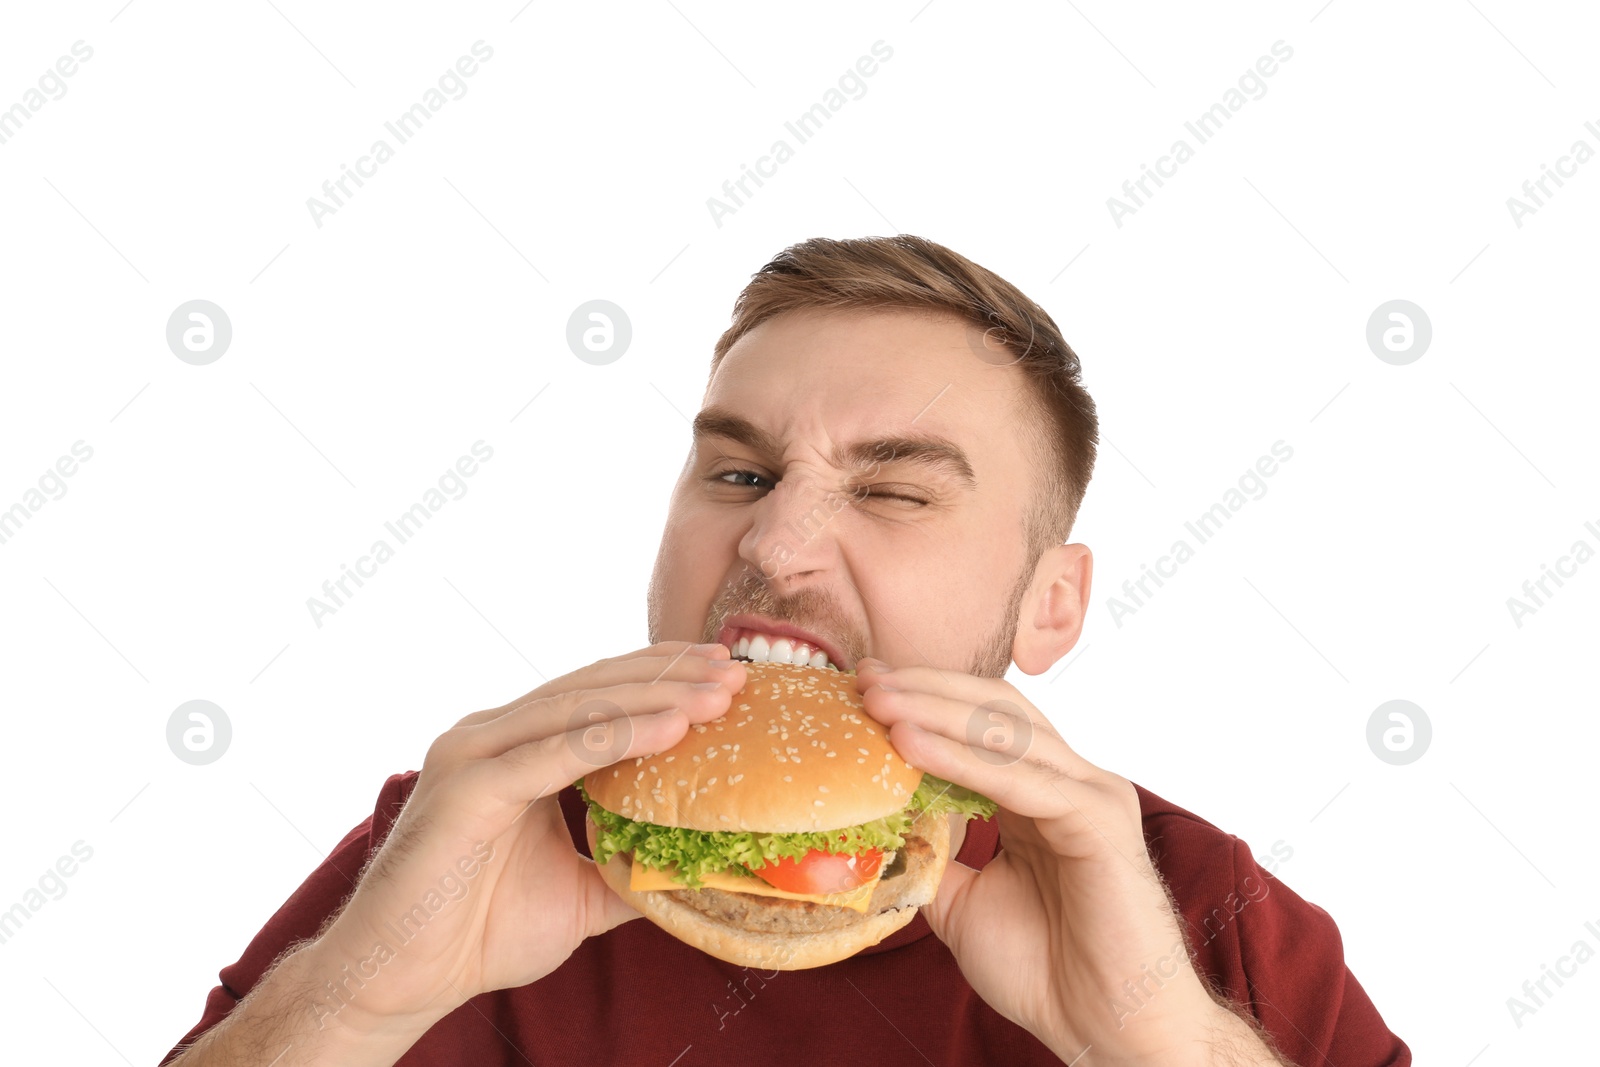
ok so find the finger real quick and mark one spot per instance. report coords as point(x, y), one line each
point(976, 692)
point(600, 717)
point(1004, 732)
point(615, 669)
point(632, 666)
point(870, 672)
point(561, 711)
point(538, 768)
point(1037, 785)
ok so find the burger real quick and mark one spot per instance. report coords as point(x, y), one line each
point(787, 834)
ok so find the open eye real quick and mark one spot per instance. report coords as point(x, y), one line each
point(743, 479)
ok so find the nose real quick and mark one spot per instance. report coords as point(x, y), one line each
point(793, 529)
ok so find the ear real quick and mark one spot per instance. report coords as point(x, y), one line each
point(1052, 613)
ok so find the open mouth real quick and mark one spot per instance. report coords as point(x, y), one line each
point(753, 646)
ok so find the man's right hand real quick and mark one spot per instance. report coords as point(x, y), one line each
point(478, 885)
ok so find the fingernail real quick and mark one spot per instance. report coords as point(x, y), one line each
point(708, 685)
point(721, 664)
point(704, 650)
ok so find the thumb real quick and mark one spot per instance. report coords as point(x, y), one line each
point(958, 877)
point(605, 910)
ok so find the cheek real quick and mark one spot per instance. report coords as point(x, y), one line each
point(930, 595)
point(698, 554)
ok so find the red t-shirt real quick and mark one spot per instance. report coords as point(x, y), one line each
point(637, 995)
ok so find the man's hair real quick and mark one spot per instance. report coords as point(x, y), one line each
point(913, 273)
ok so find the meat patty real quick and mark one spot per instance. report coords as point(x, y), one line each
point(776, 915)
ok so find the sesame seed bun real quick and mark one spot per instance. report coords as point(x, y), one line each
point(795, 753)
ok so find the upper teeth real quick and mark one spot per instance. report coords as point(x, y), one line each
point(764, 648)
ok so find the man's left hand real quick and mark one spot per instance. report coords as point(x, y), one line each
point(1069, 931)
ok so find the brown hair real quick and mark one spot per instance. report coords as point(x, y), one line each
point(914, 273)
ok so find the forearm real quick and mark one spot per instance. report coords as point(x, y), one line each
point(286, 1021)
point(1240, 1042)
point(1206, 1030)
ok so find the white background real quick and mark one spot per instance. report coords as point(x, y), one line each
point(368, 354)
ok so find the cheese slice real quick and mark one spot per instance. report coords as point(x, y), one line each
point(644, 879)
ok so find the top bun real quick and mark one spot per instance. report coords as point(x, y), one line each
point(795, 753)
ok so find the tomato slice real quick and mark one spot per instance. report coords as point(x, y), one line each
point(821, 872)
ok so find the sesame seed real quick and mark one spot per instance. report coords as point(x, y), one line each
point(817, 803)
point(788, 778)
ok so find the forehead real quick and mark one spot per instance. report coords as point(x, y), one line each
point(833, 377)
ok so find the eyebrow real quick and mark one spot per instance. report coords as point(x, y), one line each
point(925, 450)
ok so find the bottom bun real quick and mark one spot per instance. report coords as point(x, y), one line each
point(894, 904)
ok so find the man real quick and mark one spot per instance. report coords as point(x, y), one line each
point(890, 455)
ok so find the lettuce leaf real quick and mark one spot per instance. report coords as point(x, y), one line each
point(696, 853)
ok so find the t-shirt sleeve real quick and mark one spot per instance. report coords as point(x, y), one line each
point(1282, 957)
point(302, 915)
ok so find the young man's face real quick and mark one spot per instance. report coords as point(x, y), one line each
point(863, 476)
